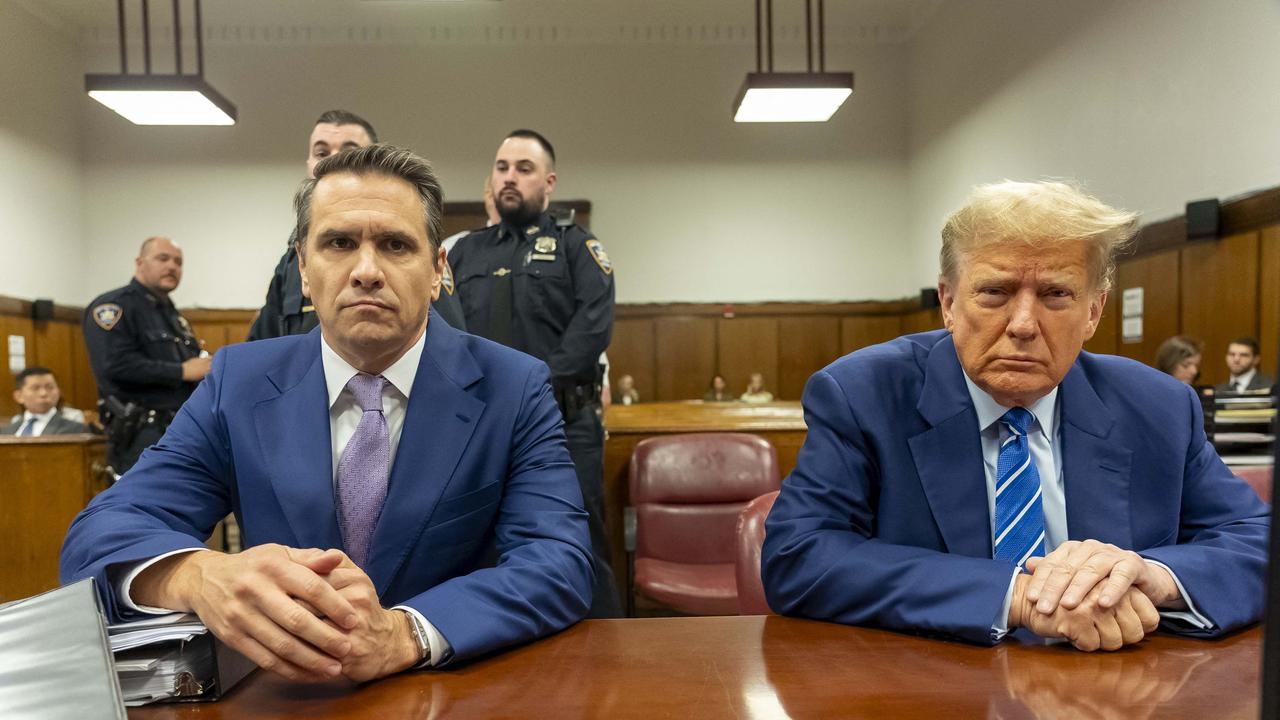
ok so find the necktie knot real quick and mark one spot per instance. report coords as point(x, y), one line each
point(1018, 420)
point(367, 390)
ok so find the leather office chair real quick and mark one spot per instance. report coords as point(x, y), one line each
point(687, 492)
point(751, 600)
point(1259, 478)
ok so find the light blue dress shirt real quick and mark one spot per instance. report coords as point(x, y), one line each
point(1044, 439)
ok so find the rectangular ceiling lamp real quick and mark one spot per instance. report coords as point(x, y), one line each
point(161, 99)
point(792, 96)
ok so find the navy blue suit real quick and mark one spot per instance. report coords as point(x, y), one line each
point(481, 456)
point(884, 521)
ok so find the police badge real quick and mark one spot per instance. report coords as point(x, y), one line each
point(107, 315)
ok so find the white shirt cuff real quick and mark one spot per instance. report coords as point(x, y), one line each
point(125, 584)
point(1001, 626)
point(1190, 616)
point(440, 648)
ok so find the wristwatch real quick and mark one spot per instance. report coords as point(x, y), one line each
point(419, 634)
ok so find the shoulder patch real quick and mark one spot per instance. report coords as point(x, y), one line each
point(107, 315)
point(446, 278)
point(600, 256)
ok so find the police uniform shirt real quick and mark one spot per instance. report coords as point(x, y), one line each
point(561, 290)
point(137, 343)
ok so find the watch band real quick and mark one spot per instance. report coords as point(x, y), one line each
point(420, 634)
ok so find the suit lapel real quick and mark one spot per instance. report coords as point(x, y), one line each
point(437, 427)
point(296, 449)
point(1095, 470)
point(948, 456)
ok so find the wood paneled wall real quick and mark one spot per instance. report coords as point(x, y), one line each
point(1215, 290)
point(672, 351)
point(56, 344)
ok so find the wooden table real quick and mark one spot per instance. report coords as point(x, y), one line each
point(773, 667)
point(44, 483)
point(781, 423)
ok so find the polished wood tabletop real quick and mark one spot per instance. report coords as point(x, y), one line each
point(773, 667)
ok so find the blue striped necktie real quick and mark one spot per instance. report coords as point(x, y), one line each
point(1019, 526)
point(29, 429)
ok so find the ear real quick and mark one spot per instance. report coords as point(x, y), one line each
point(946, 298)
point(551, 182)
point(17, 397)
point(438, 275)
point(302, 269)
point(1096, 304)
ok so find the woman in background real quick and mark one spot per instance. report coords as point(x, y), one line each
point(719, 391)
point(1179, 356)
point(755, 391)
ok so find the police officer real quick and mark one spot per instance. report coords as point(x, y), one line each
point(546, 288)
point(286, 310)
point(144, 356)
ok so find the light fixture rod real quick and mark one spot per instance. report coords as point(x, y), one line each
point(199, 43)
point(124, 55)
point(146, 35)
point(769, 26)
point(822, 35)
point(177, 38)
point(808, 33)
point(759, 67)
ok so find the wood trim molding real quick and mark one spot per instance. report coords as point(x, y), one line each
point(841, 309)
point(1239, 214)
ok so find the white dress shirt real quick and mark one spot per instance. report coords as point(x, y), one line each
point(42, 421)
point(344, 416)
point(1241, 382)
point(1044, 440)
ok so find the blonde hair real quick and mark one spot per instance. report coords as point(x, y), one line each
point(1038, 213)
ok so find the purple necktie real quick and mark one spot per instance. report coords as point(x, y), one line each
point(363, 469)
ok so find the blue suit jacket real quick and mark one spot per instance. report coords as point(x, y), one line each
point(884, 520)
point(481, 456)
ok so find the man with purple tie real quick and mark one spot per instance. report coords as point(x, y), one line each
point(370, 463)
point(991, 477)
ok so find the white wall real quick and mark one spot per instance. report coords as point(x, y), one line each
point(1150, 103)
point(689, 205)
point(40, 189)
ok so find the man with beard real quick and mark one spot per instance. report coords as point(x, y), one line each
point(546, 288)
point(287, 310)
point(145, 358)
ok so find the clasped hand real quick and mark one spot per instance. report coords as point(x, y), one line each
point(1094, 594)
point(306, 615)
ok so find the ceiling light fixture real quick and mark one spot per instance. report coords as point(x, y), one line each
point(769, 96)
point(153, 99)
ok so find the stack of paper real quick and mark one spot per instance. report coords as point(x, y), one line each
point(152, 654)
point(173, 657)
point(174, 626)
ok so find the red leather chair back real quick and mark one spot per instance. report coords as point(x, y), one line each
point(688, 490)
point(1259, 478)
point(751, 599)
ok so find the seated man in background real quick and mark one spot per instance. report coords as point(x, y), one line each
point(386, 433)
point(1243, 356)
point(38, 394)
point(992, 476)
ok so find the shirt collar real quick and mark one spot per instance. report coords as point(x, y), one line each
point(338, 372)
point(1245, 378)
point(45, 417)
point(989, 411)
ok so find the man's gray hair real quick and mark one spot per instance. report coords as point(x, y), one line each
point(382, 159)
point(1038, 214)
